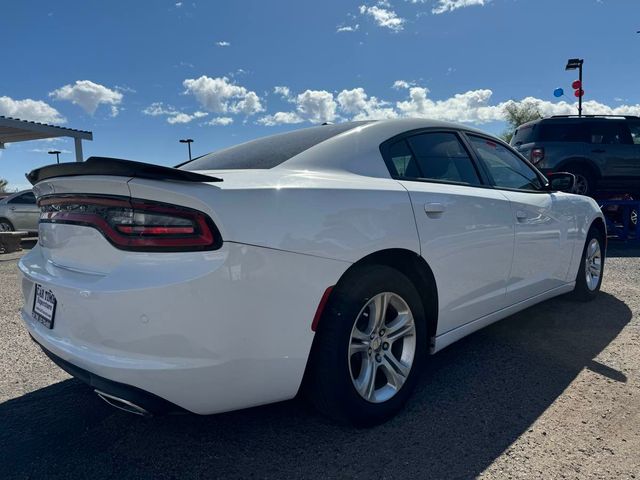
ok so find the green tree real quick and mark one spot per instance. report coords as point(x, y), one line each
point(3, 185)
point(516, 114)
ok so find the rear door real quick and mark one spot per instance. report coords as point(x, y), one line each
point(613, 148)
point(545, 224)
point(465, 229)
point(23, 212)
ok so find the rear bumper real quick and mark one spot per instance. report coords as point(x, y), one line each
point(207, 331)
point(150, 402)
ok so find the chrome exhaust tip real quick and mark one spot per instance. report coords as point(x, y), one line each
point(123, 404)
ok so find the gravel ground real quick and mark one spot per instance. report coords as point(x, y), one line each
point(552, 392)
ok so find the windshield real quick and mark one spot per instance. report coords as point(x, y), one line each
point(268, 152)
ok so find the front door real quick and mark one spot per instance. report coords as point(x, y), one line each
point(545, 227)
point(465, 229)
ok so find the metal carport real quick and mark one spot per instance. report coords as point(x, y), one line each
point(15, 130)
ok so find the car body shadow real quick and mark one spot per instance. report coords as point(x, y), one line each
point(473, 400)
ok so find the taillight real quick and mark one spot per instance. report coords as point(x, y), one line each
point(132, 224)
point(537, 154)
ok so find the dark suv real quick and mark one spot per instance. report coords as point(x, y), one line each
point(603, 152)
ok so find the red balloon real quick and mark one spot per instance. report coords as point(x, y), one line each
point(576, 85)
point(579, 93)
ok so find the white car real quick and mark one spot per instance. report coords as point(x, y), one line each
point(340, 255)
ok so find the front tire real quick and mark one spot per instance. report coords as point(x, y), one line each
point(369, 348)
point(5, 225)
point(591, 270)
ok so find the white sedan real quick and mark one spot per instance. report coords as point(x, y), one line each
point(331, 259)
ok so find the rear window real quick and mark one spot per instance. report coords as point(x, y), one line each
point(268, 152)
point(524, 134)
point(563, 132)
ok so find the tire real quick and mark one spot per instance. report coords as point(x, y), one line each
point(5, 225)
point(344, 353)
point(587, 286)
point(585, 180)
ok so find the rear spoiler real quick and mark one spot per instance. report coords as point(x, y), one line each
point(118, 168)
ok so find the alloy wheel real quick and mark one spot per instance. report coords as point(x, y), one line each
point(382, 347)
point(593, 264)
point(5, 227)
point(581, 186)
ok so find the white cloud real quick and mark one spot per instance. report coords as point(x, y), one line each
point(315, 106)
point(283, 91)
point(47, 150)
point(220, 121)
point(451, 5)
point(182, 117)
point(178, 4)
point(280, 118)
point(474, 106)
point(173, 115)
point(347, 28)
point(222, 43)
point(159, 108)
point(384, 17)
point(219, 95)
point(28, 109)
point(400, 84)
point(359, 106)
point(88, 95)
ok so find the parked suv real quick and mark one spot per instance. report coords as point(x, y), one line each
point(19, 212)
point(603, 152)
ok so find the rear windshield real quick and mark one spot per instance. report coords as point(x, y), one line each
point(563, 132)
point(268, 152)
point(524, 134)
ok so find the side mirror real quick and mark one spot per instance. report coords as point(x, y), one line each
point(561, 181)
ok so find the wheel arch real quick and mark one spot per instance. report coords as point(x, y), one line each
point(416, 269)
point(582, 162)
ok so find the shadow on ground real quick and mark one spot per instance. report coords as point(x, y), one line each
point(474, 399)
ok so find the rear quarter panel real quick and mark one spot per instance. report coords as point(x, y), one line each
point(337, 216)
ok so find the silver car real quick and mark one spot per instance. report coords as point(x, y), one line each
point(19, 212)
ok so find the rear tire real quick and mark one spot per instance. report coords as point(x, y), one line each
point(591, 270)
point(585, 180)
point(364, 366)
point(6, 225)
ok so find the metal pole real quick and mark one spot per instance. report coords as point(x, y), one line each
point(581, 90)
point(78, 144)
point(57, 157)
point(189, 145)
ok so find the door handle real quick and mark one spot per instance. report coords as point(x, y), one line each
point(520, 215)
point(598, 150)
point(12, 208)
point(434, 207)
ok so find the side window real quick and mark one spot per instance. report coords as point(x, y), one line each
point(610, 133)
point(24, 198)
point(563, 132)
point(401, 162)
point(441, 156)
point(507, 169)
point(635, 132)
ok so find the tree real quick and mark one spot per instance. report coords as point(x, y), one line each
point(3, 185)
point(516, 114)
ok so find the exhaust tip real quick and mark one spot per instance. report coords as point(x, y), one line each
point(122, 404)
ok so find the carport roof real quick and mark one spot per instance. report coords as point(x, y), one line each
point(15, 130)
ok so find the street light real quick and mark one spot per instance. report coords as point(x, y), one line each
point(188, 141)
point(573, 64)
point(56, 153)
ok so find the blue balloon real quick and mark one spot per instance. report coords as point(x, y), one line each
point(558, 92)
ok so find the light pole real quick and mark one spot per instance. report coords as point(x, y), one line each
point(188, 141)
point(573, 64)
point(56, 153)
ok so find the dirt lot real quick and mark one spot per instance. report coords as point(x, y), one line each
point(553, 392)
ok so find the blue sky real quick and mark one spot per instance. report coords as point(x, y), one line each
point(141, 75)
